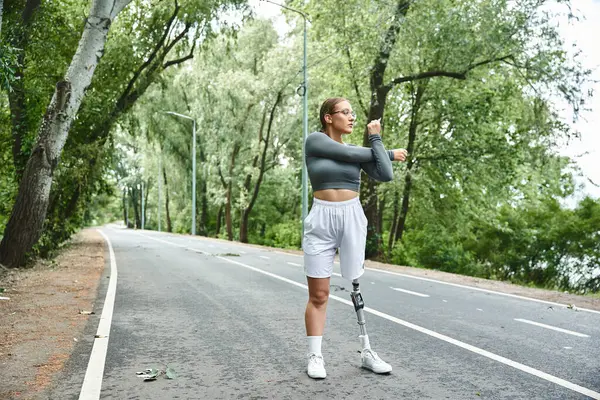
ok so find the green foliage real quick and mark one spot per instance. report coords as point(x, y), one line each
point(8, 63)
point(487, 188)
point(284, 235)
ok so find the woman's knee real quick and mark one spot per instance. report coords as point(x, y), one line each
point(318, 298)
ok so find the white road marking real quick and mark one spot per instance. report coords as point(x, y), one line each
point(294, 264)
point(478, 289)
point(552, 327)
point(568, 347)
point(479, 309)
point(409, 292)
point(336, 274)
point(431, 280)
point(241, 252)
point(265, 257)
point(445, 301)
point(92, 382)
point(287, 254)
point(474, 349)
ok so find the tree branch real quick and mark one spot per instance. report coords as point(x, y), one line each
point(355, 83)
point(182, 59)
point(449, 74)
point(153, 55)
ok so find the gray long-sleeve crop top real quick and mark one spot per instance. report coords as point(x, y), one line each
point(333, 165)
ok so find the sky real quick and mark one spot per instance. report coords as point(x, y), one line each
point(585, 33)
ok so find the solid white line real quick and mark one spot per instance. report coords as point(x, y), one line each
point(336, 274)
point(265, 257)
point(287, 254)
point(516, 296)
point(183, 246)
point(409, 292)
point(294, 264)
point(92, 382)
point(477, 350)
point(552, 327)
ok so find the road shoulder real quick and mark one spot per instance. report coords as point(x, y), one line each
point(46, 315)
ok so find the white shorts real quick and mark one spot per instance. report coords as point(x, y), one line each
point(330, 226)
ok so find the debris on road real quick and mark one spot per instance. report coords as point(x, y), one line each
point(152, 374)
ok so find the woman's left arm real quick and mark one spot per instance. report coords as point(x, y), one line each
point(380, 168)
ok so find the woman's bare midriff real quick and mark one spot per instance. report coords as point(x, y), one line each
point(335, 194)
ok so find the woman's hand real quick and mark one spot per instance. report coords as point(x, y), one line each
point(374, 127)
point(400, 154)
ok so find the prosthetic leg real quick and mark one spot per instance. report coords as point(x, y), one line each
point(359, 304)
point(370, 359)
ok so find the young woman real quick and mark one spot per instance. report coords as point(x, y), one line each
point(336, 219)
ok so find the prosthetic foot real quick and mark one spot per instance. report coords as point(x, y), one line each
point(370, 359)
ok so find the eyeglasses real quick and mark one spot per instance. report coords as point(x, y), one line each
point(346, 112)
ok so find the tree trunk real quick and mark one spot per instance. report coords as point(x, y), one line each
point(125, 221)
point(169, 224)
point(369, 188)
point(228, 223)
point(392, 236)
point(379, 93)
point(412, 136)
point(263, 157)
point(146, 191)
point(203, 230)
point(219, 218)
point(135, 204)
point(25, 225)
point(248, 182)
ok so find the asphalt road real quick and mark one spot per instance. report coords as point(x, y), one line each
point(229, 319)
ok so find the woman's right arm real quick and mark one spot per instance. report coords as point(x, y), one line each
point(319, 144)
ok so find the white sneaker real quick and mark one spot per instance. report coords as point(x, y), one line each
point(316, 366)
point(370, 360)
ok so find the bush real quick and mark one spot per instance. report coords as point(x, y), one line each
point(284, 235)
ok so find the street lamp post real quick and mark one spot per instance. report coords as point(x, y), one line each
point(158, 179)
point(193, 167)
point(143, 220)
point(305, 115)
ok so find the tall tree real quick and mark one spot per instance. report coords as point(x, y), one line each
point(25, 224)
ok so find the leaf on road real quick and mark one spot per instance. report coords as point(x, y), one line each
point(82, 312)
point(170, 373)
